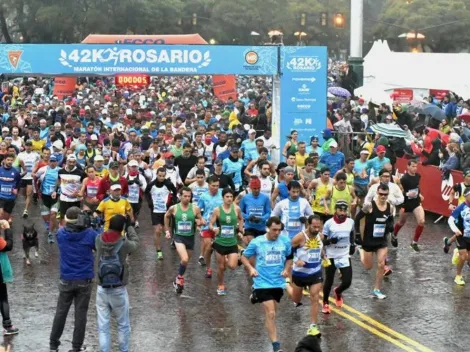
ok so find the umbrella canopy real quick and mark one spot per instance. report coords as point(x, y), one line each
point(389, 130)
point(465, 117)
point(339, 92)
point(434, 111)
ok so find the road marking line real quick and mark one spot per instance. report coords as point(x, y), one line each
point(386, 329)
point(371, 329)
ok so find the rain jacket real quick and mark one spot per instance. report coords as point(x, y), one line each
point(106, 242)
point(76, 247)
point(433, 157)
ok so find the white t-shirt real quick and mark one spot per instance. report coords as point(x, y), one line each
point(29, 160)
point(343, 233)
point(266, 186)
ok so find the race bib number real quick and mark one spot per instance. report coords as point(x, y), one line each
point(293, 225)
point(313, 256)
point(410, 193)
point(5, 189)
point(379, 230)
point(184, 226)
point(273, 258)
point(159, 206)
point(29, 166)
point(134, 195)
point(342, 262)
point(92, 191)
point(226, 231)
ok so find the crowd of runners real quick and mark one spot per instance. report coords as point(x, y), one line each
point(204, 168)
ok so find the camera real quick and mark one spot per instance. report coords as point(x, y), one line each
point(85, 219)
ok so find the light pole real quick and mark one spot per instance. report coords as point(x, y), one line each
point(300, 35)
point(355, 59)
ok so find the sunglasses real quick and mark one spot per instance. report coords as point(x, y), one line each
point(383, 194)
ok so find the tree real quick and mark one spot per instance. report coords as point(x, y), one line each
point(422, 16)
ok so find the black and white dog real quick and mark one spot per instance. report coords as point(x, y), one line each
point(30, 239)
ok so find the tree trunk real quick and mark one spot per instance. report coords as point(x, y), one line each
point(4, 27)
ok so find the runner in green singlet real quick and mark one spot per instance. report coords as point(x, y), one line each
point(186, 216)
point(228, 218)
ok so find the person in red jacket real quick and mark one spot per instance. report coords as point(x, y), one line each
point(112, 177)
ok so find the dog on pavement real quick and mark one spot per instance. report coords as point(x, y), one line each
point(30, 240)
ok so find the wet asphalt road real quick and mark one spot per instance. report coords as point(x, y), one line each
point(423, 303)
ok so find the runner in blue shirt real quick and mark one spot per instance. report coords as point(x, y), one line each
point(207, 203)
point(273, 255)
point(10, 180)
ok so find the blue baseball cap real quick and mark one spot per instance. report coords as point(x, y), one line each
point(53, 158)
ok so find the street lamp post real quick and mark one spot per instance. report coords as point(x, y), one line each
point(355, 56)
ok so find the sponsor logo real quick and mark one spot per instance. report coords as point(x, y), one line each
point(140, 41)
point(251, 57)
point(304, 106)
point(14, 57)
point(304, 64)
point(303, 100)
point(446, 187)
point(304, 89)
point(304, 79)
point(117, 56)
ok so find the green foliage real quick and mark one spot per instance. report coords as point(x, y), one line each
point(420, 15)
point(227, 21)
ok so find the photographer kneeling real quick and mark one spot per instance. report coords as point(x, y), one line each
point(76, 243)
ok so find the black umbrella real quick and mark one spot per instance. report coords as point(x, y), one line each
point(434, 111)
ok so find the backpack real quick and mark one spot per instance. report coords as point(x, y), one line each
point(110, 268)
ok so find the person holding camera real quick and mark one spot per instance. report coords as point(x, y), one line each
point(76, 244)
point(112, 250)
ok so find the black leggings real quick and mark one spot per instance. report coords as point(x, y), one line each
point(4, 306)
point(346, 279)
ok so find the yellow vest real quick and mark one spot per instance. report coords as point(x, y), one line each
point(320, 195)
point(300, 159)
point(337, 195)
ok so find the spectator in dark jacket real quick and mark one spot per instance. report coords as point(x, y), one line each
point(465, 160)
point(451, 109)
point(433, 157)
point(6, 275)
point(76, 245)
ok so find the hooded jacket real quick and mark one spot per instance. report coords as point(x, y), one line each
point(433, 157)
point(76, 247)
point(106, 242)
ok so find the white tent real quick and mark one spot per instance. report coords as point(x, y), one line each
point(418, 71)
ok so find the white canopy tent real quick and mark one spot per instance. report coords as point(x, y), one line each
point(418, 71)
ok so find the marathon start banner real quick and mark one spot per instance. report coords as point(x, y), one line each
point(106, 59)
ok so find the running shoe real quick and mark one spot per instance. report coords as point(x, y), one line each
point(159, 255)
point(136, 224)
point(446, 245)
point(313, 330)
point(378, 294)
point(50, 238)
point(387, 270)
point(297, 305)
point(394, 241)
point(326, 308)
point(208, 273)
point(459, 280)
point(10, 331)
point(25, 214)
point(305, 291)
point(338, 299)
point(455, 257)
point(201, 261)
point(81, 349)
point(221, 290)
point(178, 284)
point(414, 246)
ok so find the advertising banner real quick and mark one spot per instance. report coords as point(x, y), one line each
point(436, 199)
point(303, 91)
point(225, 86)
point(106, 59)
point(64, 86)
point(402, 95)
